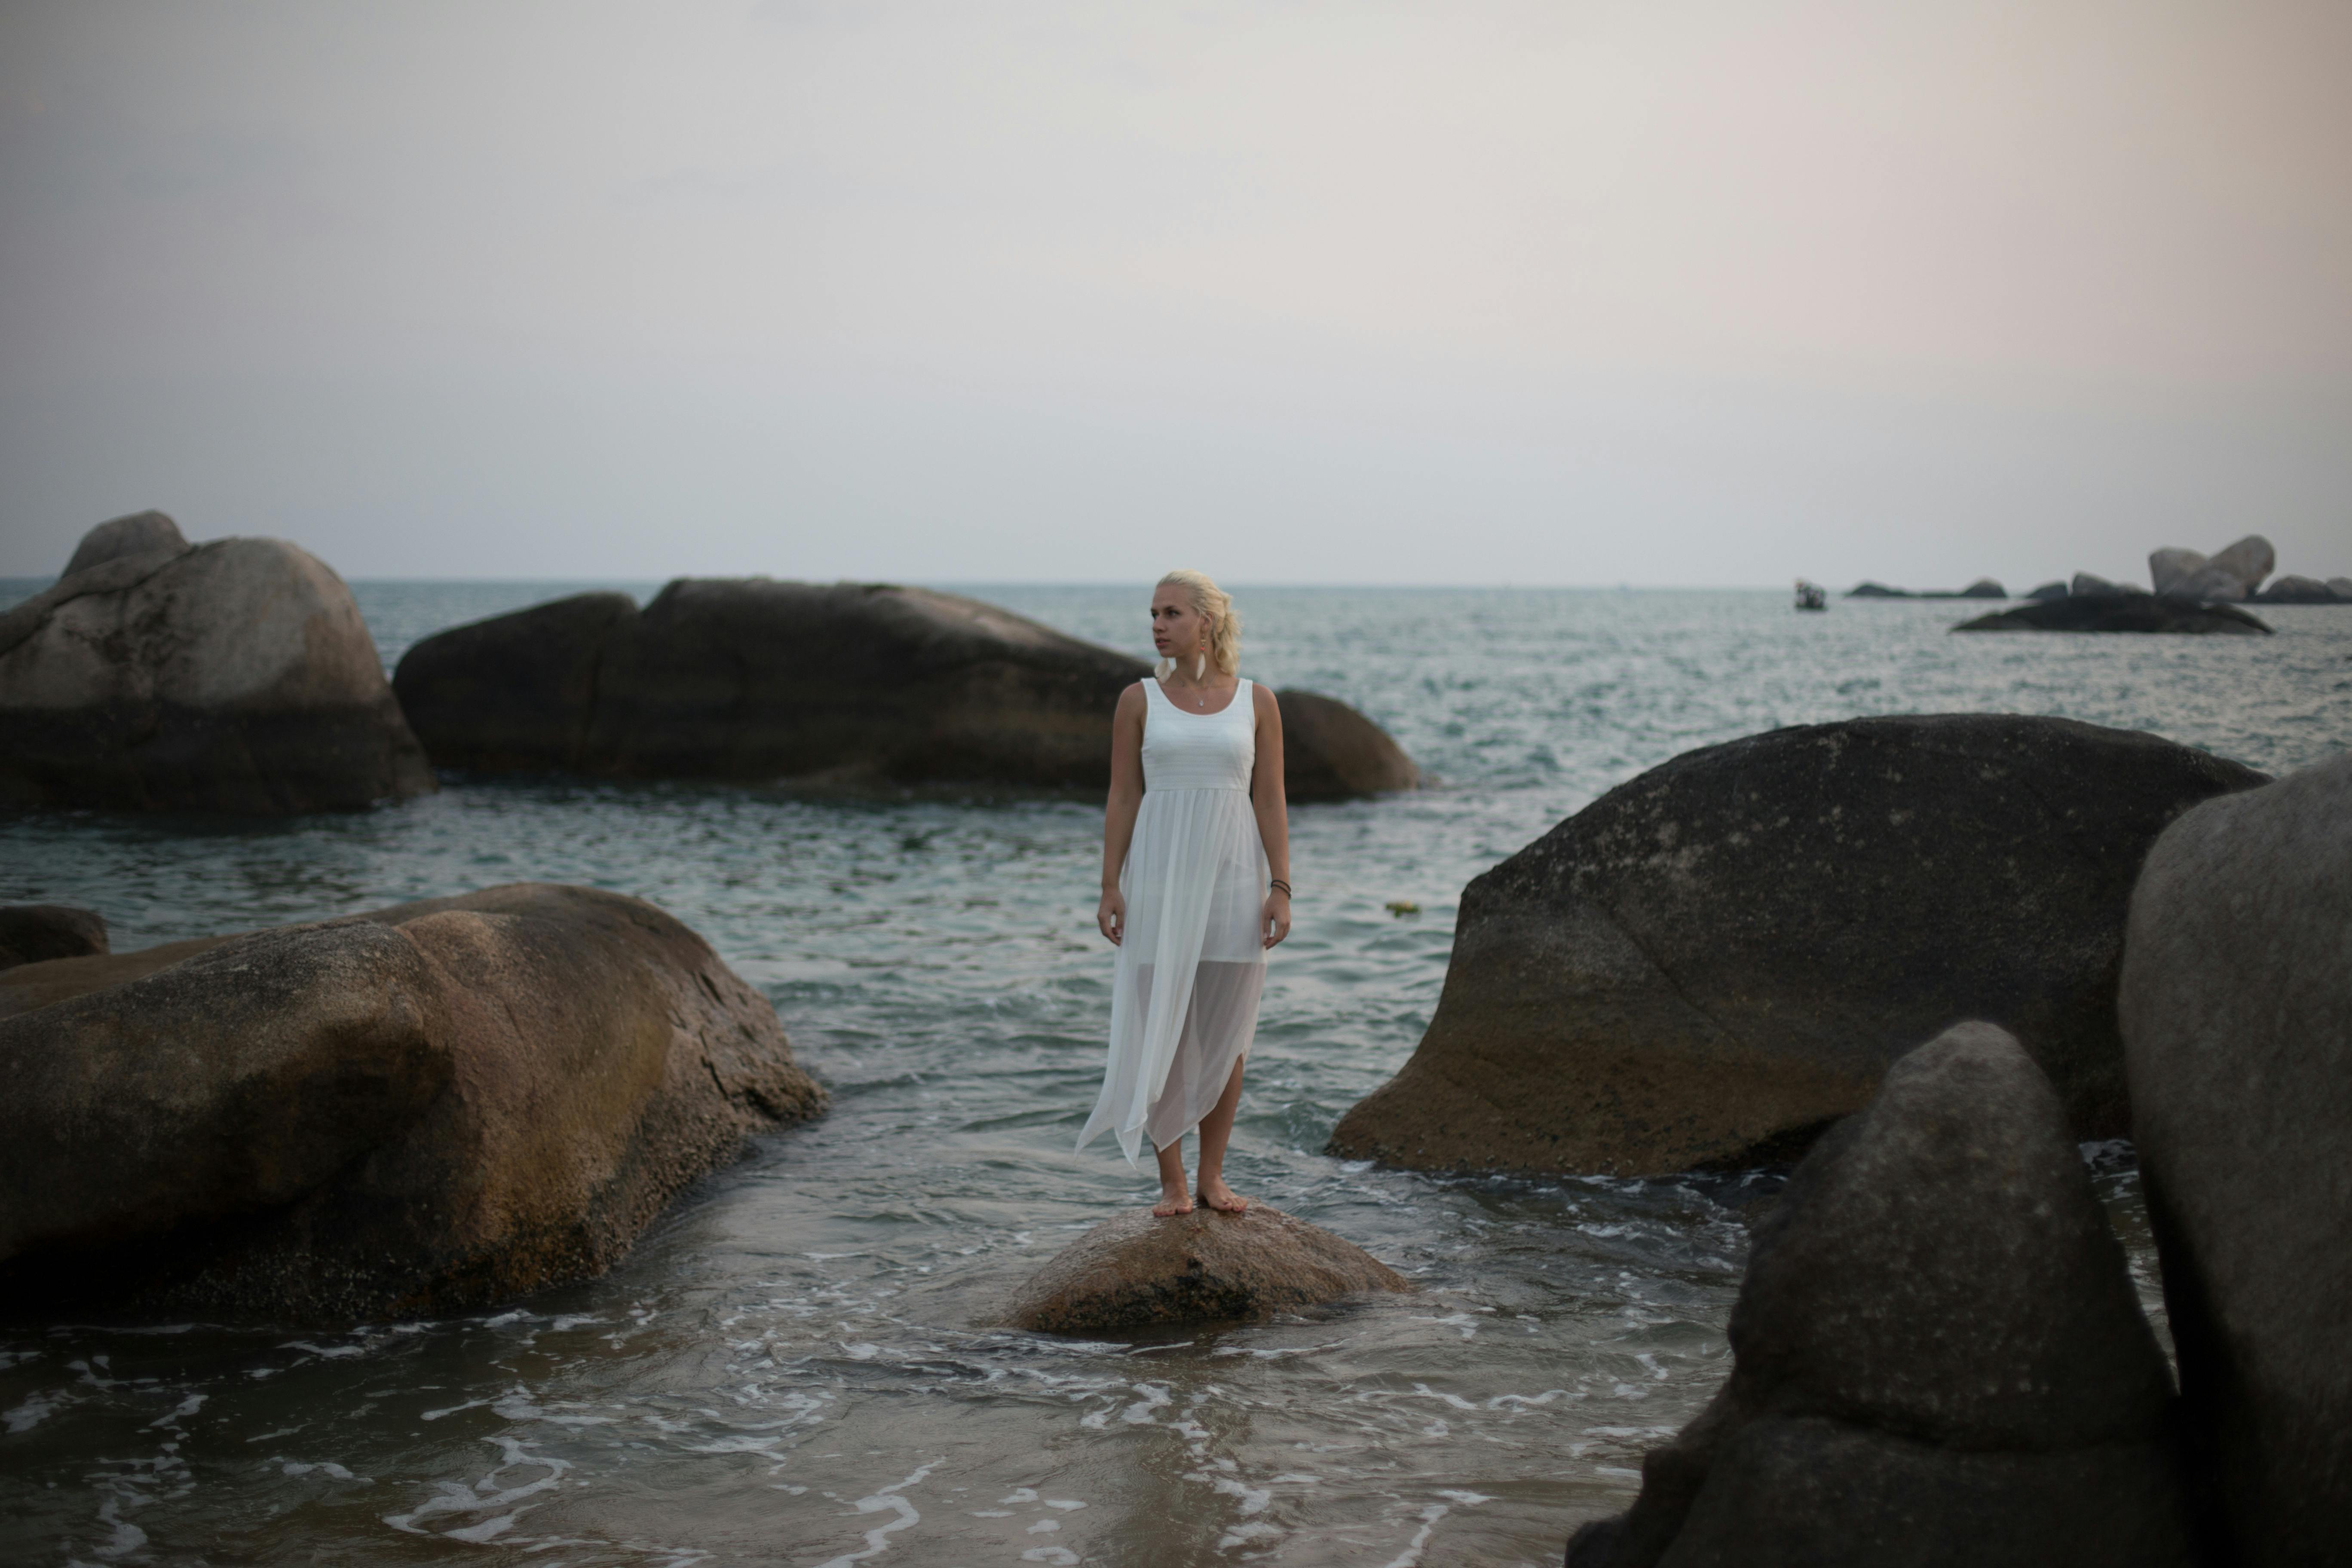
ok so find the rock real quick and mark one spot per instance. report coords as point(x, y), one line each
point(2049, 590)
point(1330, 751)
point(141, 533)
point(847, 684)
point(2290, 589)
point(2249, 561)
point(2172, 567)
point(31, 932)
point(418, 1110)
point(1713, 961)
point(1938, 1354)
point(1138, 1272)
point(2120, 613)
point(2090, 585)
point(1867, 590)
point(2341, 587)
point(1983, 588)
point(2210, 585)
point(234, 677)
point(2236, 1007)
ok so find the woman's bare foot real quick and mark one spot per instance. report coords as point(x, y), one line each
point(1173, 1200)
point(1221, 1197)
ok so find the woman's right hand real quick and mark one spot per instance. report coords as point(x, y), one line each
point(1110, 915)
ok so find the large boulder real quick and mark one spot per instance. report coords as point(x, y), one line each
point(2048, 591)
point(1983, 588)
point(2172, 568)
point(2120, 612)
point(2091, 586)
point(1143, 1271)
point(1713, 961)
point(1938, 1355)
point(846, 683)
point(235, 676)
point(141, 533)
point(32, 932)
point(2237, 1023)
point(2341, 587)
point(417, 1110)
point(2245, 564)
point(2290, 589)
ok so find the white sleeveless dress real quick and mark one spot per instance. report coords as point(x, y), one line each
point(1191, 960)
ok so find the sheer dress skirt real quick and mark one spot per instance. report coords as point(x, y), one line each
point(1191, 964)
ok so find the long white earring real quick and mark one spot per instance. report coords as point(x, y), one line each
point(1199, 667)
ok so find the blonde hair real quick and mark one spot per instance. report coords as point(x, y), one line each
point(1215, 605)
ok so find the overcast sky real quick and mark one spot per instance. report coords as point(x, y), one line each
point(1554, 294)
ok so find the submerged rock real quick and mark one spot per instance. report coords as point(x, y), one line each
point(1140, 1271)
point(418, 1110)
point(235, 676)
point(2081, 611)
point(2237, 1021)
point(847, 683)
point(32, 932)
point(1713, 961)
point(1939, 1357)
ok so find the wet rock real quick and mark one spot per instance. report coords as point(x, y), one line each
point(1139, 1271)
point(2236, 1005)
point(141, 533)
point(418, 1110)
point(2049, 590)
point(232, 677)
point(2081, 612)
point(1938, 1354)
point(2172, 568)
point(1715, 960)
point(515, 693)
point(846, 684)
point(2290, 589)
point(32, 932)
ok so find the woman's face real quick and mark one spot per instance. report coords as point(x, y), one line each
point(1178, 630)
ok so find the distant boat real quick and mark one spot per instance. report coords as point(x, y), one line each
point(1811, 595)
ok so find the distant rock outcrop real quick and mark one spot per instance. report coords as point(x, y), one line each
point(1139, 1271)
point(2236, 1009)
point(235, 676)
point(2049, 590)
point(1939, 1355)
point(2120, 613)
point(2232, 576)
point(1982, 588)
point(2090, 585)
point(417, 1110)
point(30, 934)
point(1713, 961)
point(848, 683)
point(2290, 589)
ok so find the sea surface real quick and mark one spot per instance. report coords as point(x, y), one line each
point(798, 1364)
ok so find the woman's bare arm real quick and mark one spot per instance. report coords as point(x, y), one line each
point(1273, 808)
point(1119, 813)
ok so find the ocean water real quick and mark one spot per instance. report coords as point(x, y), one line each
point(799, 1364)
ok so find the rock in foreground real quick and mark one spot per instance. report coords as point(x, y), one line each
point(2237, 1023)
point(2120, 612)
point(1712, 962)
point(847, 683)
point(235, 676)
point(418, 1110)
point(1139, 1271)
point(30, 934)
point(1939, 1357)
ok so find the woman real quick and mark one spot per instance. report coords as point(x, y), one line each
point(1196, 867)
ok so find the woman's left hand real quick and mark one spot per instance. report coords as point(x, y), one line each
point(1275, 919)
